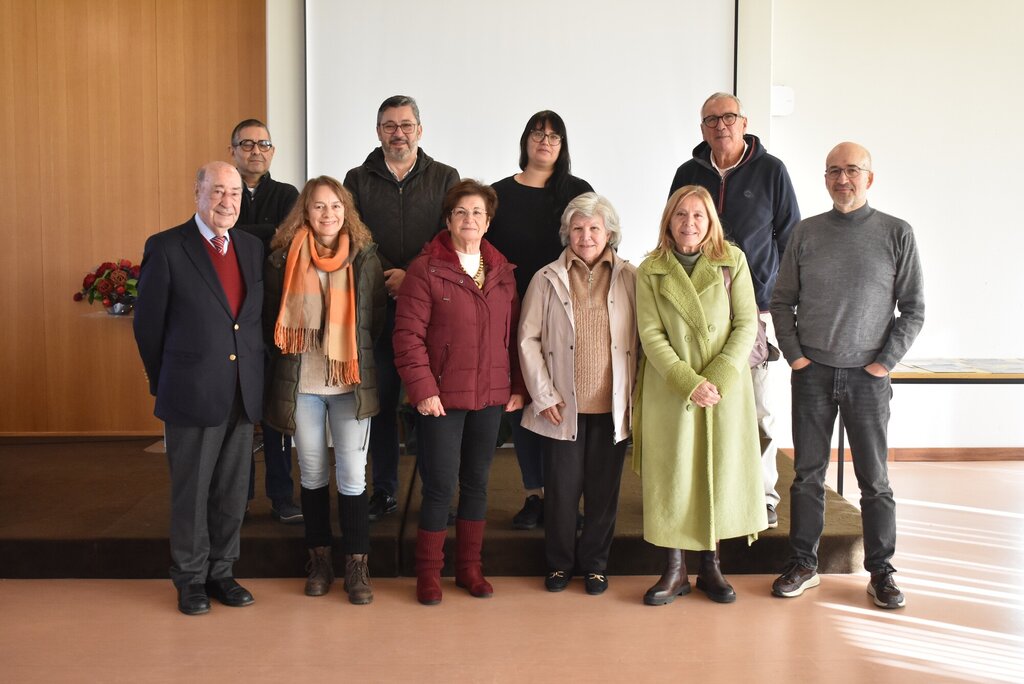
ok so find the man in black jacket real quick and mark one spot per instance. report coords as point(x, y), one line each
point(757, 205)
point(198, 329)
point(398, 191)
point(265, 203)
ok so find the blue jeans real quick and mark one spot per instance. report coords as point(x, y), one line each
point(529, 451)
point(350, 435)
point(818, 392)
point(384, 432)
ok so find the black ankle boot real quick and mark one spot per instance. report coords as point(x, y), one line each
point(710, 579)
point(673, 582)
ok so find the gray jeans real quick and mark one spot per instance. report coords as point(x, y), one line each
point(819, 391)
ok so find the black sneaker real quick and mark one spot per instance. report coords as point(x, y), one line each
point(795, 580)
point(596, 583)
point(381, 504)
point(531, 515)
point(773, 517)
point(884, 591)
point(286, 512)
point(557, 580)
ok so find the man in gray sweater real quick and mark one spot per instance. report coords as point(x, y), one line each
point(844, 274)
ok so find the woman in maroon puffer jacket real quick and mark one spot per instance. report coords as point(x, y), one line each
point(455, 323)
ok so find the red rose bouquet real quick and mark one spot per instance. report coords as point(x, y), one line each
point(111, 283)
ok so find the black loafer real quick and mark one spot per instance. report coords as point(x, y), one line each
point(229, 592)
point(192, 599)
point(557, 580)
point(596, 583)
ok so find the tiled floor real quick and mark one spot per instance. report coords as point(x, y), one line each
point(961, 554)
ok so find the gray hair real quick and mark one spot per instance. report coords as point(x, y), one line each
point(591, 204)
point(398, 101)
point(724, 96)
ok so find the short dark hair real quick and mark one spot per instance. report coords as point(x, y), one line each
point(399, 101)
point(467, 187)
point(246, 124)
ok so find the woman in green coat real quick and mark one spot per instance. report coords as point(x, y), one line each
point(695, 428)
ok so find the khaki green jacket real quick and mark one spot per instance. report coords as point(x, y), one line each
point(701, 468)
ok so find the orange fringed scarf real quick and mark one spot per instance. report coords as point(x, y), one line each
point(302, 324)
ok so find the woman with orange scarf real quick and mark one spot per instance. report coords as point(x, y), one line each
point(325, 280)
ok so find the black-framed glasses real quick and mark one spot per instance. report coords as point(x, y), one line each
point(711, 121)
point(539, 136)
point(408, 127)
point(247, 144)
point(833, 172)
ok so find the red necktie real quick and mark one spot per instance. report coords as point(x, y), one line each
point(218, 244)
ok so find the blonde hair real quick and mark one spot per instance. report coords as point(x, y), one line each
point(298, 217)
point(713, 244)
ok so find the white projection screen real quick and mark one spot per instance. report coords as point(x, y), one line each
point(628, 78)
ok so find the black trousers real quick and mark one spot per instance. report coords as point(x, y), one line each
point(592, 467)
point(456, 449)
point(209, 486)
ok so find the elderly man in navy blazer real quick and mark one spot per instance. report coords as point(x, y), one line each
point(197, 325)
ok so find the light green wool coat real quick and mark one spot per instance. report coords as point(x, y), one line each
point(701, 468)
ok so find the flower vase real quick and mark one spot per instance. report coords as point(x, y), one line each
point(119, 309)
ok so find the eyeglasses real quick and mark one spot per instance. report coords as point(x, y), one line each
point(833, 172)
point(247, 145)
point(408, 127)
point(539, 136)
point(712, 120)
point(460, 213)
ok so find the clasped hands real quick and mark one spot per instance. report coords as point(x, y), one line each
point(705, 395)
point(431, 406)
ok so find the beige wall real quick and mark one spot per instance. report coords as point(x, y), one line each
point(108, 108)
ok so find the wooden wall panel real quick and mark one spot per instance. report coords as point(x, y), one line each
point(109, 107)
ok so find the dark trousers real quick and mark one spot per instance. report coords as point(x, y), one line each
point(818, 392)
point(277, 458)
point(456, 449)
point(384, 427)
point(209, 475)
point(592, 467)
point(529, 451)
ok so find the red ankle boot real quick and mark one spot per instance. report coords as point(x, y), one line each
point(469, 537)
point(429, 561)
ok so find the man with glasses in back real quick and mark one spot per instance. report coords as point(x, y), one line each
point(757, 206)
point(844, 274)
point(265, 203)
point(398, 191)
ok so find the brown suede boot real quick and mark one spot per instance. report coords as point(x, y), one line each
point(710, 579)
point(673, 582)
point(429, 561)
point(357, 580)
point(469, 538)
point(321, 571)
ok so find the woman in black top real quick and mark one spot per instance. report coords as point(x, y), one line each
point(525, 229)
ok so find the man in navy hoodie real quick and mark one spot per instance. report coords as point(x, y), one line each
point(757, 205)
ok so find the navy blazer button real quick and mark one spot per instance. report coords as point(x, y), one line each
point(236, 326)
point(232, 357)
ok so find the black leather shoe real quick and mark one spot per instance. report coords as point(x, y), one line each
point(557, 580)
point(596, 583)
point(530, 515)
point(229, 592)
point(381, 504)
point(773, 517)
point(192, 599)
